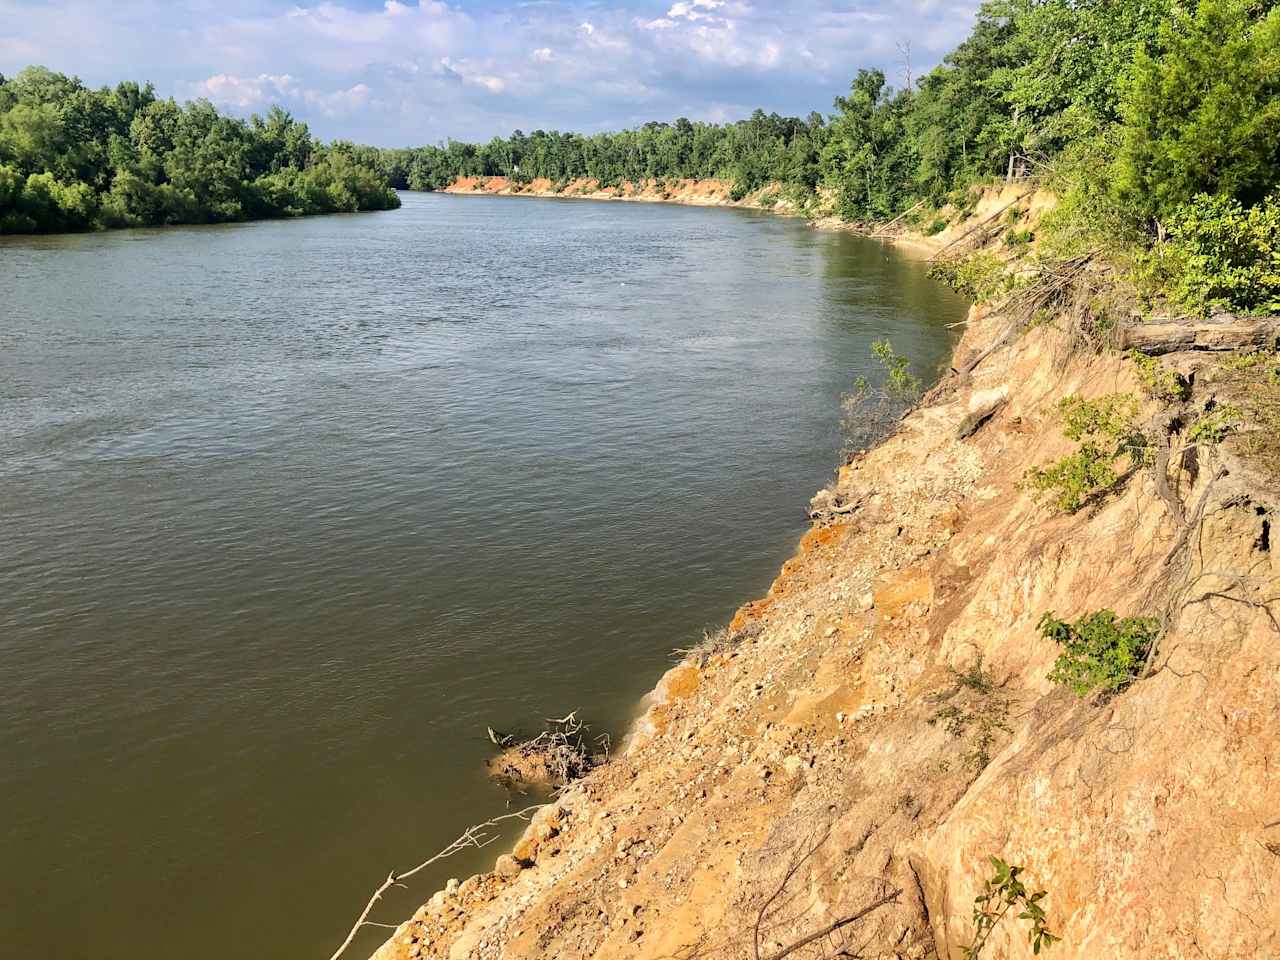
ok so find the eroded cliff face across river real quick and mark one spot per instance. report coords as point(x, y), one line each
point(292, 511)
point(799, 770)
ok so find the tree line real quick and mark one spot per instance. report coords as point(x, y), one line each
point(750, 153)
point(73, 158)
point(1151, 119)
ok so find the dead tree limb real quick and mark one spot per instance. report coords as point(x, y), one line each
point(880, 231)
point(800, 861)
point(473, 837)
point(839, 924)
point(980, 224)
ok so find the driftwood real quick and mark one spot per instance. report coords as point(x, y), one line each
point(981, 223)
point(1221, 332)
point(475, 837)
point(880, 233)
point(558, 755)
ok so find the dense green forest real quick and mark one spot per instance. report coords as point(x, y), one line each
point(1157, 122)
point(72, 158)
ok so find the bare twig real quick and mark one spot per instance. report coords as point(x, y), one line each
point(473, 837)
point(786, 878)
point(832, 928)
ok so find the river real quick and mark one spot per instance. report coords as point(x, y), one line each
point(292, 511)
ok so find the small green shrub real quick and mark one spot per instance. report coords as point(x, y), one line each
point(1219, 254)
point(1158, 381)
point(975, 711)
point(1100, 652)
point(1001, 893)
point(936, 227)
point(902, 384)
point(1107, 433)
point(1213, 426)
point(1254, 360)
point(871, 410)
point(1018, 238)
point(1074, 478)
point(1252, 380)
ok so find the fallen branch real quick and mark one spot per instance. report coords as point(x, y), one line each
point(881, 235)
point(980, 224)
point(786, 879)
point(839, 924)
point(553, 758)
point(473, 837)
point(1222, 332)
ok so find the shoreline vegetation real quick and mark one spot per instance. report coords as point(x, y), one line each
point(73, 158)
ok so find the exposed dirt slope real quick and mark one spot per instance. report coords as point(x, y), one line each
point(702, 193)
point(799, 769)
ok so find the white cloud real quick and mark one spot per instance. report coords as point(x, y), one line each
point(245, 93)
point(416, 71)
point(694, 10)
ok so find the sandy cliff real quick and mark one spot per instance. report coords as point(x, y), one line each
point(701, 193)
point(801, 768)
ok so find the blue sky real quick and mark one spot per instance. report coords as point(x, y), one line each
point(405, 72)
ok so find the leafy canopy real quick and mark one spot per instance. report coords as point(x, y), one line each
point(72, 158)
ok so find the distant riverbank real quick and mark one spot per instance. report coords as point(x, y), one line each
point(699, 193)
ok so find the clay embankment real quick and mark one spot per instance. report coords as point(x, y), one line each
point(701, 193)
point(802, 767)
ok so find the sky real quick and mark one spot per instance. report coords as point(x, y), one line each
point(409, 72)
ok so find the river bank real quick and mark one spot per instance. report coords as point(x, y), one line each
point(870, 732)
point(698, 193)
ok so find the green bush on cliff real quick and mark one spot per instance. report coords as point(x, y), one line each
point(870, 410)
point(1107, 433)
point(1100, 651)
point(1219, 255)
point(1215, 424)
point(981, 277)
point(1001, 894)
point(975, 712)
point(1158, 381)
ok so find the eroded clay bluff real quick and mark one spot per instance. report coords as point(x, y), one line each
point(796, 771)
point(698, 193)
